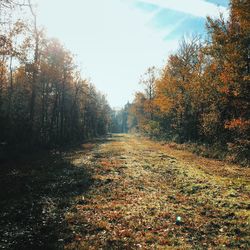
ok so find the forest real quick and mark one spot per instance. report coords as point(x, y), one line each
point(169, 170)
point(44, 100)
point(202, 95)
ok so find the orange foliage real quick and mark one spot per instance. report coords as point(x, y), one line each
point(239, 123)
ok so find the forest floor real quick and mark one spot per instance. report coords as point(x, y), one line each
point(124, 192)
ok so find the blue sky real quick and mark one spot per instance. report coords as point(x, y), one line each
point(115, 41)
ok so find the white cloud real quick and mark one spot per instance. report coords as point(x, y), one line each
point(199, 8)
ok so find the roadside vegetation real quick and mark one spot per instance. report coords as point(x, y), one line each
point(202, 94)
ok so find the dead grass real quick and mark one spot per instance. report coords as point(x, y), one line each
point(142, 186)
point(137, 190)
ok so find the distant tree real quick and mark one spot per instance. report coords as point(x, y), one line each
point(148, 81)
point(119, 119)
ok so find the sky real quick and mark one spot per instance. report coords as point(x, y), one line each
point(115, 41)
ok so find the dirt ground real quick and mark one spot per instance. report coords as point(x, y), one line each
point(125, 192)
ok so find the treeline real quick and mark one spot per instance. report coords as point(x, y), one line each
point(119, 120)
point(44, 101)
point(203, 93)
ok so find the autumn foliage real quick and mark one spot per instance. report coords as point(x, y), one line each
point(44, 101)
point(203, 94)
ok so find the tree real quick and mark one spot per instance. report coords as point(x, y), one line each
point(148, 81)
point(229, 50)
point(203, 93)
point(44, 101)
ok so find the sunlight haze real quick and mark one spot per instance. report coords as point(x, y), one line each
point(115, 41)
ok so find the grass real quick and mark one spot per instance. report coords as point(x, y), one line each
point(36, 192)
point(231, 154)
point(125, 192)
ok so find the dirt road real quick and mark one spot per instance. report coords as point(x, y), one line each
point(147, 195)
point(124, 192)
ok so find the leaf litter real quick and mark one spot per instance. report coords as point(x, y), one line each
point(125, 192)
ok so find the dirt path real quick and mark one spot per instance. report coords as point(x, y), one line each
point(140, 187)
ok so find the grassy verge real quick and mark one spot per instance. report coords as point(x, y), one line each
point(35, 193)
